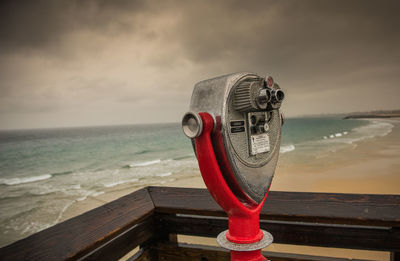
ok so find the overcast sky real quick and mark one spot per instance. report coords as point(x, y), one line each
point(74, 63)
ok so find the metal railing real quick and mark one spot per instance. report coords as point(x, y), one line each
point(151, 218)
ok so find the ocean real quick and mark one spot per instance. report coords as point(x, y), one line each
point(43, 172)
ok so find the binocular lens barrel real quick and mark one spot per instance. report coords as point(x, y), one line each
point(264, 96)
point(192, 125)
point(279, 95)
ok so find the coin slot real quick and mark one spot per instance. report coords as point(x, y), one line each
point(237, 123)
point(237, 129)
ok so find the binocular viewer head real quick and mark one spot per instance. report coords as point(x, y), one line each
point(247, 129)
point(256, 95)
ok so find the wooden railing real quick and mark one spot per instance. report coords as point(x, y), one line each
point(152, 217)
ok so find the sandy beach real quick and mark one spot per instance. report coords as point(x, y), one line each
point(368, 166)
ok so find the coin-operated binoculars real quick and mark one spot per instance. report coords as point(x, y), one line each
point(235, 127)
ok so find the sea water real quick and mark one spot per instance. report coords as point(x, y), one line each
point(43, 172)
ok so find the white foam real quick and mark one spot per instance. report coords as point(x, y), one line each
point(33, 227)
point(81, 198)
point(43, 189)
point(375, 128)
point(145, 163)
point(17, 181)
point(287, 148)
point(113, 184)
point(85, 193)
point(78, 186)
point(62, 212)
point(95, 194)
point(164, 174)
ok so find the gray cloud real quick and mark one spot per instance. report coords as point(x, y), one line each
point(36, 24)
point(109, 60)
point(295, 37)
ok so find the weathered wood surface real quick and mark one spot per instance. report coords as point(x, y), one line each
point(333, 208)
point(145, 254)
point(78, 236)
point(124, 243)
point(328, 235)
point(184, 252)
point(151, 214)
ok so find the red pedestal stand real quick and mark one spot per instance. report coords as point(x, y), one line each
point(244, 237)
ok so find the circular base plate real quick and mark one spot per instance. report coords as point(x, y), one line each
point(264, 242)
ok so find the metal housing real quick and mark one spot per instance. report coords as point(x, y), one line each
point(252, 172)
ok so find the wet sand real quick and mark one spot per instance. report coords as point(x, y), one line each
point(369, 166)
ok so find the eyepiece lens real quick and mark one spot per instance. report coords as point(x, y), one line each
point(264, 97)
point(279, 95)
point(192, 125)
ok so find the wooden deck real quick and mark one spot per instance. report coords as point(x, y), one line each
point(151, 217)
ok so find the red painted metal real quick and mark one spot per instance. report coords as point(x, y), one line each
point(223, 163)
point(270, 81)
point(244, 225)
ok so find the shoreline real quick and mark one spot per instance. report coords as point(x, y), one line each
point(372, 116)
point(375, 116)
point(373, 171)
point(368, 166)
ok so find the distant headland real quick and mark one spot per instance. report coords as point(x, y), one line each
point(374, 114)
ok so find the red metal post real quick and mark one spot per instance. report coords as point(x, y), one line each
point(243, 220)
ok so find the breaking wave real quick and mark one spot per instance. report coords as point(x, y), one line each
point(336, 135)
point(287, 148)
point(373, 129)
point(17, 181)
point(113, 184)
point(164, 174)
point(144, 163)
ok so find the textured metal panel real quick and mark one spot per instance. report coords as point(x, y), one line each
point(218, 97)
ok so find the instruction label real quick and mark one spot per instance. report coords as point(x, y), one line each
point(259, 144)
